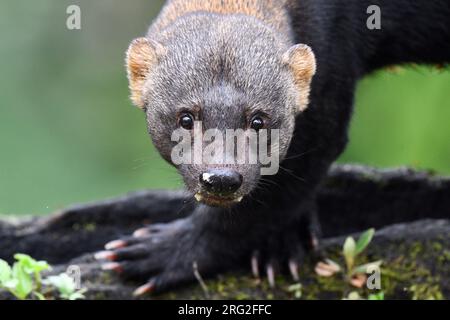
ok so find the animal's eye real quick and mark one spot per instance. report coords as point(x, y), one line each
point(186, 121)
point(257, 123)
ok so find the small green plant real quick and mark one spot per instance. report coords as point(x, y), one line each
point(24, 277)
point(66, 286)
point(354, 274)
point(24, 280)
point(296, 289)
point(352, 249)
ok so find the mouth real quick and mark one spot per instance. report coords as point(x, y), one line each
point(217, 201)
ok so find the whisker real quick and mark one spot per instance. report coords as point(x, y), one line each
point(295, 156)
point(292, 174)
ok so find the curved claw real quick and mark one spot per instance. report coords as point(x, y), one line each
point(271, 275)
point(293, 268)
point(115, 244)
point(114, 266)
point(105, 255)
point(314, 242)
point(255, 265)
point(144, 289)
point(141, 233)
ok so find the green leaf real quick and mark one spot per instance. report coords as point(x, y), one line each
point(41, 266)
point(63, 282)
point(296, 289)
point(25, 261)
point(39, 295)
point(11, 284)
point(349, 247)
point(24, 281)
point(30, 265)
point(376, 296)
point(349, 252)
point(5, 272)
point(22, 257)
point(364, 241)
point(77, 295)
point(353, 296)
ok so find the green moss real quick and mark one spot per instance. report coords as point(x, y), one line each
point(324, 288)
point(415, 250)
point(446, 256)
point(89, 227)
point(406, 272)
point(106, 278)
point(99, 296)
point(426, 292)
point(437, 246)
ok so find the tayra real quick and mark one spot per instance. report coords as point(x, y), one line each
point(259, 64)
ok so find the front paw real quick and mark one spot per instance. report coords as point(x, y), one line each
point(164, 254)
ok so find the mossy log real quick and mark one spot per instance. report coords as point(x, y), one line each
point(410, 210)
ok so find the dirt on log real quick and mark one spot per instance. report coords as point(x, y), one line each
point(409, 209)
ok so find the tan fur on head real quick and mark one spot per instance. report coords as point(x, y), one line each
point(142, 55)
point(272, 12)
point(302, 62)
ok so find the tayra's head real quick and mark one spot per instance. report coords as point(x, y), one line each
point(204, 78)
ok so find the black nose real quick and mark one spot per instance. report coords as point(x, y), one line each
point(223, 182)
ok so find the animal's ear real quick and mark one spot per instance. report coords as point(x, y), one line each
point(302, 63)
point(142, 55)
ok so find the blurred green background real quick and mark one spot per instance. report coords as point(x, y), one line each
point(69, 134)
